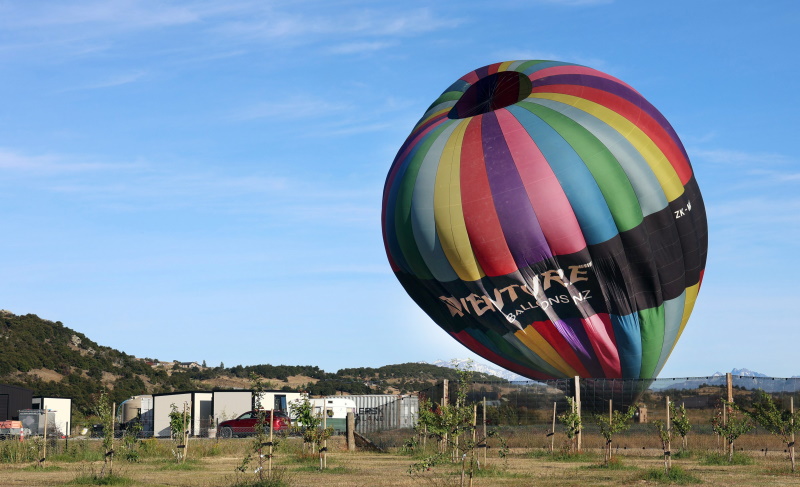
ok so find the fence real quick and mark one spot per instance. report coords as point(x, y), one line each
point(524, 410)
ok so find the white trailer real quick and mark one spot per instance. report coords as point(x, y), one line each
point(61, 410)
point(230, 404)
point(279, 400)
point(334, 409)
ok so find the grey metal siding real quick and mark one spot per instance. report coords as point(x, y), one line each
point(16, 398)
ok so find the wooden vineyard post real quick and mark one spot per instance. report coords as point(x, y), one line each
point(185, 436)
point(445, 402)
point(729, 383)
point(44, 444)
point(271, 437)
point(791, 444)
point(553, 429)
point(323, 458)
point(578, 410)
point(720, 443)
point(485, 438)
point(610, 428)
point(667, 450)
point(474, 437)
point(683, 438)
point(351, 431)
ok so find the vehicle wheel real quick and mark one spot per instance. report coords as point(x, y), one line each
point(226, 432)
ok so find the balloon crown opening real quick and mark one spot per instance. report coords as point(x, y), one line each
point(491, 93)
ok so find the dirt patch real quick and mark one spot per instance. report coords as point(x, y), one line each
point(294, 381)
point(46, 374)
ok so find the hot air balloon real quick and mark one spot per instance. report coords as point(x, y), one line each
point(546, 216)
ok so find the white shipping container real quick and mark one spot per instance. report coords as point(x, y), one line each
point(162, 406)
point(377, 412)
point(61, 409)
point(230, 404)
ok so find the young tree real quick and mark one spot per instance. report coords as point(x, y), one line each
point(665, 434)
point(263, 434)
point(308, 423)
point(680, 422)
point(617, 423)
point(179, 422)
point(105, 413)
point(571, 419)
point(454, 425)
point(779, 422)
point(730, 424)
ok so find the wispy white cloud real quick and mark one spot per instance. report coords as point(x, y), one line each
point(739, 158)
point(292, 108)
point(392, 22)
point(49, 164)
point(111, 81)
point(360, 47)
point(120, 13)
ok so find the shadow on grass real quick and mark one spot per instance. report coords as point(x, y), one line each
point(93, 479)
point(562, 456)
point(614, 464)
point(46, 468)
point(330, 470)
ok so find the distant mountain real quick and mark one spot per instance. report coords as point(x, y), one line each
point(743, 378)
point(496, 371)
point(742, 373)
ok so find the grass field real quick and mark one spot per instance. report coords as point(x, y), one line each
point(212, 463)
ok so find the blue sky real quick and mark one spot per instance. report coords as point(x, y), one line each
point(202, 180)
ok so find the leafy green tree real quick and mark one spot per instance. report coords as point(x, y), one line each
point(571, 419)
point(131, 442)
point(619, 422)
point(454, 426)
point(105, 414)
point(680, 422)
point(777, 421)
point(307, 423)
point(730, 423)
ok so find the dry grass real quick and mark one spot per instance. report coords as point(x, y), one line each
point(214, 464)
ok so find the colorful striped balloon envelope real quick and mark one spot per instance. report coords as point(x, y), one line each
point(547, 217)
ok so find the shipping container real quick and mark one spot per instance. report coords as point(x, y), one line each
point(378, 412)
point(12, 399)
point(163, 406)
point(230, 404)
point(61, 408)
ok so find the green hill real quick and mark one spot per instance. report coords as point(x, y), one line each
point(57, 361)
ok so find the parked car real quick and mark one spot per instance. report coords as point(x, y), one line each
point(245, 425)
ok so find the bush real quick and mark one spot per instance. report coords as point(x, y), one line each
point(676, 475)
point(713, 458)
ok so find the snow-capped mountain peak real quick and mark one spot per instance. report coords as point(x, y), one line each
point(463, 363)
point(742, 373)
